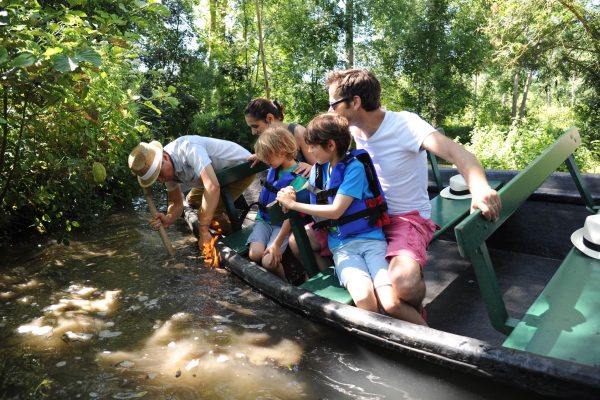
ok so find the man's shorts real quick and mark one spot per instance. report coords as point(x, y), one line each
point(409, 235)
point(266, 234)
point(322, 236)
point(362, 258)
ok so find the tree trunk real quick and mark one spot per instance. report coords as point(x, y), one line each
point(349, 22)
point(515, 96)
point(212, 28)
point(573, 91)
point(475, 105)
point(525, 92)
point(245, 36)
point(261, 47)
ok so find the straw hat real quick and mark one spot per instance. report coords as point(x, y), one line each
point(587, 239)
point(457, 189)
point(145, 161)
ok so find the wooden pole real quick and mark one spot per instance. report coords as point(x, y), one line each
point(161, 231)
point(261, 47)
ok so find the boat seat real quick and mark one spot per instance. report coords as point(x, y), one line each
point(448, 212)
point(326, 284)
point(473, 231)
point(564, 321)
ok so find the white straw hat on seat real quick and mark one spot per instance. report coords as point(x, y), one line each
point(145, 160)
point(457, 189)
point(587, 239)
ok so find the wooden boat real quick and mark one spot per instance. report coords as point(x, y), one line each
point(479, 273)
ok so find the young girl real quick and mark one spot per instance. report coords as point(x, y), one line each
point(268, 241)
point(261, 114)
point(356, 240)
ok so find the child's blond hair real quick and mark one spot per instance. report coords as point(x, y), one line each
point(275, 141)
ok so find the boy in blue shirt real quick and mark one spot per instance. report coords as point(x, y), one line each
point(276, 148)
point(358, 244)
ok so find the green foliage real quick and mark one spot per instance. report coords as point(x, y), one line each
point(516, 148)
point(83, 81)
point(67, 81)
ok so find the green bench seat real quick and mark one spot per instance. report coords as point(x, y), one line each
point(564, 321)
point(448, 212)
point(326, 284)
point(237, 240)
point(473, 231)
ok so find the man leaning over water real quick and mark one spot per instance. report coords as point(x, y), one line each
point(396, 142)
point(191, 161)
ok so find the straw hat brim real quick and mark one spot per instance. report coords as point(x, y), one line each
point(156, 147)
point(577, 239)
point(446, 194)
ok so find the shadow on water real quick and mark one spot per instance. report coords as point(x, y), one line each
point(112, 317)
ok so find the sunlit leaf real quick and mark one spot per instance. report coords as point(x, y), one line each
point(89, 55)
point(3, 55)
point(172, 101)
point(150, 105)
point(64, 63)
point(52, 51)
point(23, 60)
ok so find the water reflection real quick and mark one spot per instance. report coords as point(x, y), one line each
point(113, 317)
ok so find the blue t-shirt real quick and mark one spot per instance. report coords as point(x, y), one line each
point(354, 185)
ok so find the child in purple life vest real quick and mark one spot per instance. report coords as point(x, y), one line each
point(352, 218)
point(276, 148)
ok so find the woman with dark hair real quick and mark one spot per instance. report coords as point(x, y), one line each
point(261, 114)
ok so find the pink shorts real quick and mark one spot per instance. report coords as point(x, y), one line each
point(322, 238)
point(408, 235)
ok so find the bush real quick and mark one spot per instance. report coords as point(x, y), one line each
point(515, 148)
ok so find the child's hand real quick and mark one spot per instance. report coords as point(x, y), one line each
point(286, 197)
point(275, 253)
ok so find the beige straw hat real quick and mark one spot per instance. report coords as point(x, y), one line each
point(145, 161)
point(457, 189)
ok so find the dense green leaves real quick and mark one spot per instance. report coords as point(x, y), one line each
point(82, 81)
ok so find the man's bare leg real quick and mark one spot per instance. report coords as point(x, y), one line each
point(407, 281)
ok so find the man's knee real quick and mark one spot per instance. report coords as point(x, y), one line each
point(407, 278)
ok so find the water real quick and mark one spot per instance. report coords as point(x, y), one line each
point(113, 317)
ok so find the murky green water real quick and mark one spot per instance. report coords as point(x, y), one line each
point(113, 317)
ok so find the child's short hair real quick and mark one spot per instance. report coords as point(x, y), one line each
point(329, 126)
point(275, 141)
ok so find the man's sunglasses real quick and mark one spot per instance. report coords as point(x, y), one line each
point(335, 103)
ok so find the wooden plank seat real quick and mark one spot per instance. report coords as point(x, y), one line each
point(564, 321)
point(448, 212)
point(473, 231)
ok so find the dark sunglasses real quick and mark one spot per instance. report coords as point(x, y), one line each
point(335, 103)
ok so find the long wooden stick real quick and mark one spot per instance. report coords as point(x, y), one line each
point(161, 231)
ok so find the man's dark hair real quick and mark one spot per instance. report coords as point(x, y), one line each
point(357, 82)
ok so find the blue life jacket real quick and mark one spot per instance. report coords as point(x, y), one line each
point(361, 215)
point(270, 187)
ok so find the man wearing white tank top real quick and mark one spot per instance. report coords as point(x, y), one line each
point(397, 142)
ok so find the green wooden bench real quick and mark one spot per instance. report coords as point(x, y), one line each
point(473, 231)
point(237, 239)
point(564, 321)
